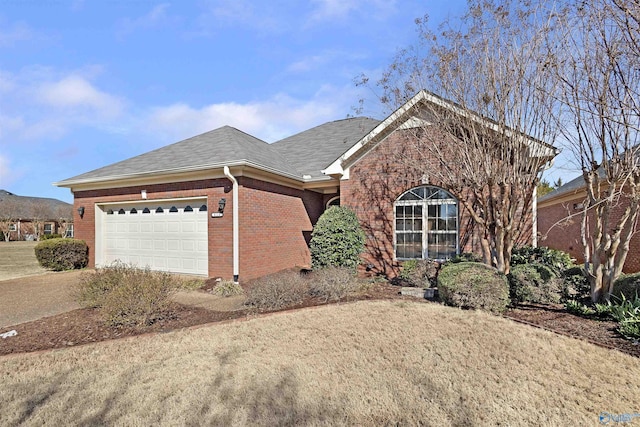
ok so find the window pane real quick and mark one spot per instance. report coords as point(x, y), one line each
point(399, 224)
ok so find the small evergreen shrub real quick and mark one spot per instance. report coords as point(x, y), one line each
point(473, 285)
point(557, 260)
point(332, 283)
point(578, 308)
point(420, 273)
point(62, 254)
point(127, 295)
point(227, 288)
point(50, 236)
point(277, 291)
point(627, 287)
point(575, 284)
point(535, 283)
point(337, 239)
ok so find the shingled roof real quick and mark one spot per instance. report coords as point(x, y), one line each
point(313, 150)
point(26, 208)
point(302, 154)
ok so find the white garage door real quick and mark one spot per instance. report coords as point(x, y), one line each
point(168, 236)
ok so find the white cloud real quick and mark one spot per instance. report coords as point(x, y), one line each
point(156, 17)
point(15, 33)
point(269, 120)
point(338, 10)
point(76, 92)
point(5, 173)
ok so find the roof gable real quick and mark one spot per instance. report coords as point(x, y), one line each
point(404, 117)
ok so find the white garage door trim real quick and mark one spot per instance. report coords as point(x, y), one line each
point(173, 238)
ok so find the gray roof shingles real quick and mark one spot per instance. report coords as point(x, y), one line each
point(305, 153)
point(25, 207)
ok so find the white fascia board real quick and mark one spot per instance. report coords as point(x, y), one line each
point(335, 168)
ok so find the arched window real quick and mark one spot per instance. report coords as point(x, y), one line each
point(426, 221)
point(334, 201)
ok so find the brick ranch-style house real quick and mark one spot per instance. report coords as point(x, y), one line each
point(26, 217)
point(226, 204)
point(560, 216)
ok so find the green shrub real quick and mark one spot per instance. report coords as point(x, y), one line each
point(277, 291)
point(127, 295)
point(62, 254)
point(332, 283)
point(473, 285)
point(465, 257)
point(575, 284)
point(575, 307)
point(227, 288)
point(557, 260)
point(50, 236)
point(337, 239)
point(535, 283)
point(627, 286)
point(420, 273)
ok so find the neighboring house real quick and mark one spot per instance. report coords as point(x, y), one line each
point(226, 204)
point(560, 217)
point(27, 218)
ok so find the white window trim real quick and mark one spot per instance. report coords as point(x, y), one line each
point(424, 203)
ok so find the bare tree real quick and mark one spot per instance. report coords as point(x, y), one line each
point(597, 61)
point(39, 213)
point(64, 217)
point(489, 138)
point(8, 216)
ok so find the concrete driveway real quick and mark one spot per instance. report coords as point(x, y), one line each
point(30, 298)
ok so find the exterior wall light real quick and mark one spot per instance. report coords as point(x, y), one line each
point(221, 205)
point(81, 211)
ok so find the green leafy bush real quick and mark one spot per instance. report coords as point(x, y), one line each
point(277, 291)
point(337, 239)
point(227, 288)
point(420, 273)
point(575, 284)
point(575, 307)
point(127, 295)
point(50, 236)
point(557, 260)
point(534, 283)
point(627, 287)
point(473, 285)
point(62, 254)
point(332, 283)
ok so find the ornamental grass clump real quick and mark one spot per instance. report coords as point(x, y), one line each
point(127, 295)
point(227, 288)
point(277, 291)
point(473, 285)
point(337, 239)
point(333, 283)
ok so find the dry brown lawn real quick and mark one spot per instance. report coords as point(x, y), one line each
point(18, 259)
point(364, 363)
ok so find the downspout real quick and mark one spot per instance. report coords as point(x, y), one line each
point(236, 246)
point(534, 218)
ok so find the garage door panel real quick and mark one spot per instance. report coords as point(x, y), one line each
point(167, 241)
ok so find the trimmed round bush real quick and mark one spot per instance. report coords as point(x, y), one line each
point(534, 283)
point(332, 283)
point(50, 236)
point(337, 239)
point(628, 285)
point(473, 285)
point(420, 273)
point(62, 254)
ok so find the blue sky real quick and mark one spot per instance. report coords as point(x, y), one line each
point(85, 84)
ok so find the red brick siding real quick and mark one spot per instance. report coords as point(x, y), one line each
point(275, 222)
point(376, 181)
point(219, 229)
point(558, 232)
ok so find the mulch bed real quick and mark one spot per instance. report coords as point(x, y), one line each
point(85, 326)
point(555, 318)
